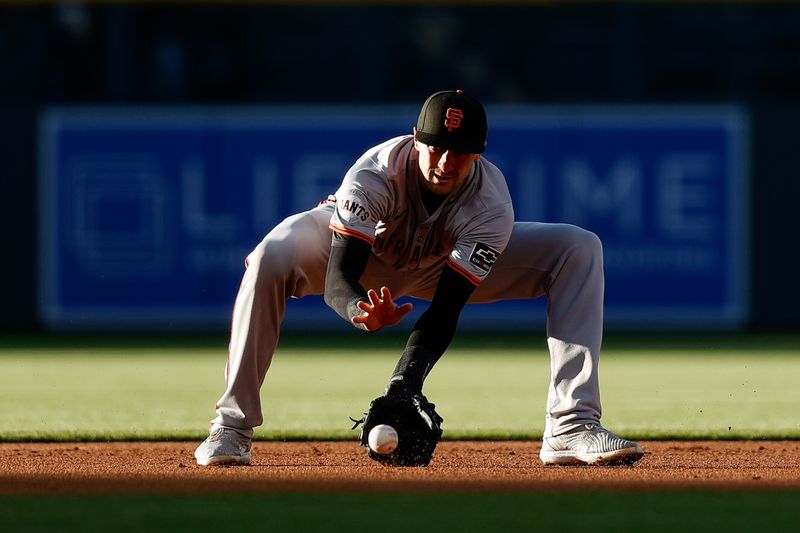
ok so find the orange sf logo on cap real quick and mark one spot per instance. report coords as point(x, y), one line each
point(453, 118)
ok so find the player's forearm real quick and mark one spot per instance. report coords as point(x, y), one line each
point(434, 331)
point(422, 351)
point(432, 334)
point(347, 262)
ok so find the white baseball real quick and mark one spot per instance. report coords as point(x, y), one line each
point(383, 439)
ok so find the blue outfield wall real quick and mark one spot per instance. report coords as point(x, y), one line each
point(146, 214)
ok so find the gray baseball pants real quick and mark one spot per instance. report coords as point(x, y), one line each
point(559, 261)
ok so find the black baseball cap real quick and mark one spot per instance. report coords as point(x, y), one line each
point(453, 120)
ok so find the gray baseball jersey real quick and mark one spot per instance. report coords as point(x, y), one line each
point(380, 203)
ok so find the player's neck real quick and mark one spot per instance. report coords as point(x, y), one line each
point(430, 200)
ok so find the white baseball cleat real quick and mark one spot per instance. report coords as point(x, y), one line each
point(590, 445)
point(224, 446)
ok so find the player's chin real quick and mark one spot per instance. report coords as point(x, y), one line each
point(443, 185)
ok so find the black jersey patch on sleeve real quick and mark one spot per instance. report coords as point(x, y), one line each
point(483, 256)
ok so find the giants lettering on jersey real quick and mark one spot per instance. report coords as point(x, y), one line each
point(353, 206)
point(483, 256)
point(398, 247)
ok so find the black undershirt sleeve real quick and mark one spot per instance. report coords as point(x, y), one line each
point(346, 264)
point(432, 334)
point(433, 331)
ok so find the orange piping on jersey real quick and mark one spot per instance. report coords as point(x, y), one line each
point(472, 279)
point(351, 233)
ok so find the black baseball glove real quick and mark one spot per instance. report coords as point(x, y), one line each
point(417, 423)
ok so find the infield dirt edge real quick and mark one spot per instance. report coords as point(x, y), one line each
point(335, 466)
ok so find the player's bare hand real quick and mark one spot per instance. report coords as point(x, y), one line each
point(380, 311)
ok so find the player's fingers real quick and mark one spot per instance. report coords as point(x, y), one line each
point(397, 313)
point(404, 309)
point(372, 294)
point(385, 294)
point(364, 306)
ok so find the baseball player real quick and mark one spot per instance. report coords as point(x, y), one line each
point(425, 215)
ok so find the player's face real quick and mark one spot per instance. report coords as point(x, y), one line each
point(443, 170)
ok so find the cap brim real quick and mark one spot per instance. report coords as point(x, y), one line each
point(450, 143)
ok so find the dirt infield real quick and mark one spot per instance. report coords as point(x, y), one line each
point(41, 468)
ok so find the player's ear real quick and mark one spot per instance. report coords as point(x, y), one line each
point(416, 142)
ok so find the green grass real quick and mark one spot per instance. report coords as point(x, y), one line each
point(486, 388)
point(563, 512)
